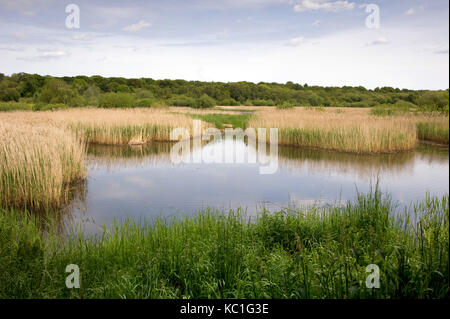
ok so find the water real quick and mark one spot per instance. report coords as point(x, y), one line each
point(141, 181)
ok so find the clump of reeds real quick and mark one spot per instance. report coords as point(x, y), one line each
point(350, 131)
point(38, 164)
point(110, 126)
point(434, 131)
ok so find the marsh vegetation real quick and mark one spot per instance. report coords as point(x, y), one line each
point(315, 252)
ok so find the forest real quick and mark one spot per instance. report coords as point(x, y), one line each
point(37, 92)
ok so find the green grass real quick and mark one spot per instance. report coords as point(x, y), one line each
point(236, 120)
point(313, 253)
point(15, 106)
point(234, 110)
point(434, 132)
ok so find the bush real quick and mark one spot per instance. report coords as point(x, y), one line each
point(92, 95)
point(434, 99)
point(48, 107)
point(15, 106)
point(57, 91)
point(144, 94)
point(148, 103)
point(228, 102)
point(205, 101)
point(8, 90)
point(260, 102)
point(117, 100)
point(285, 105)
point(183, 101)
point(392, 109)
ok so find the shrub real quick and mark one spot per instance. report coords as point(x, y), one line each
point(117, 100)
point(205, 101)
point(183, 101)
point(8, 92)
point(260, 102)
point(92, 95)
point(434, 99)
point(148, 102)
point(57, 91)
point(144, 94)
point(228, 102)
point(15, 106)
point(48, 107)
point(285, 105)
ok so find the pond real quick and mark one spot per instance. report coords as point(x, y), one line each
point(142, 182)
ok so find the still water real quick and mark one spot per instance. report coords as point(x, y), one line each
point(142, 182)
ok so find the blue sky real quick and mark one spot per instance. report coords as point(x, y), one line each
point(319, 42)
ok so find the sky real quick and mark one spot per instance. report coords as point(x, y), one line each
point(318, 42)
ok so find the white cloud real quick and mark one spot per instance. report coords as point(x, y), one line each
point(334, 6)
point(137, 26)
point(11, 47)
point(46, 56)
point(295, 42)
point(379, 41)
point(316, 23)
point(82, 37)
point(410, 11)
point(414, 10)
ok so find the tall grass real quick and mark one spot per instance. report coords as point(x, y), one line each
point(310, 253)
point(110, 126)
point(433, 131)
point(38, 164)
point(349, 131)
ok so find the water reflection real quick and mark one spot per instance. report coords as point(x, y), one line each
point(142, 182)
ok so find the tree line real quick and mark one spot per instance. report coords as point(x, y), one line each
point(146, 92)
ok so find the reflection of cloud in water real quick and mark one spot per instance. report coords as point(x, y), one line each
point(141, 182)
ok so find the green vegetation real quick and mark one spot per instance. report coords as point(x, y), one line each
point(235, 120)
point(314, 253)
point(15, 106)
point(88, 91)
point(285, 105)
point(117, 100)
point(433, 131)
point(234, 110)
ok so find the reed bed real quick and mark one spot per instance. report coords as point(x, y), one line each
point(310, 253)
point(38, 165)
point(434, 130)
point(352, 131)
point(111, 127)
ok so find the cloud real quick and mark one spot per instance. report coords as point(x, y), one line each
point(413, 10)
point(11, 47)
point(295, 42)
point(410, 11)
point(23, 7)
point(379, 41)
point(82, 37)
point(316, 23)
point(444, 51)
point(137, 26)
point(46, 56)
point(333, 6)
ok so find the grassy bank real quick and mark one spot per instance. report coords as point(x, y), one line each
point(38, 165)
point(314, 253)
